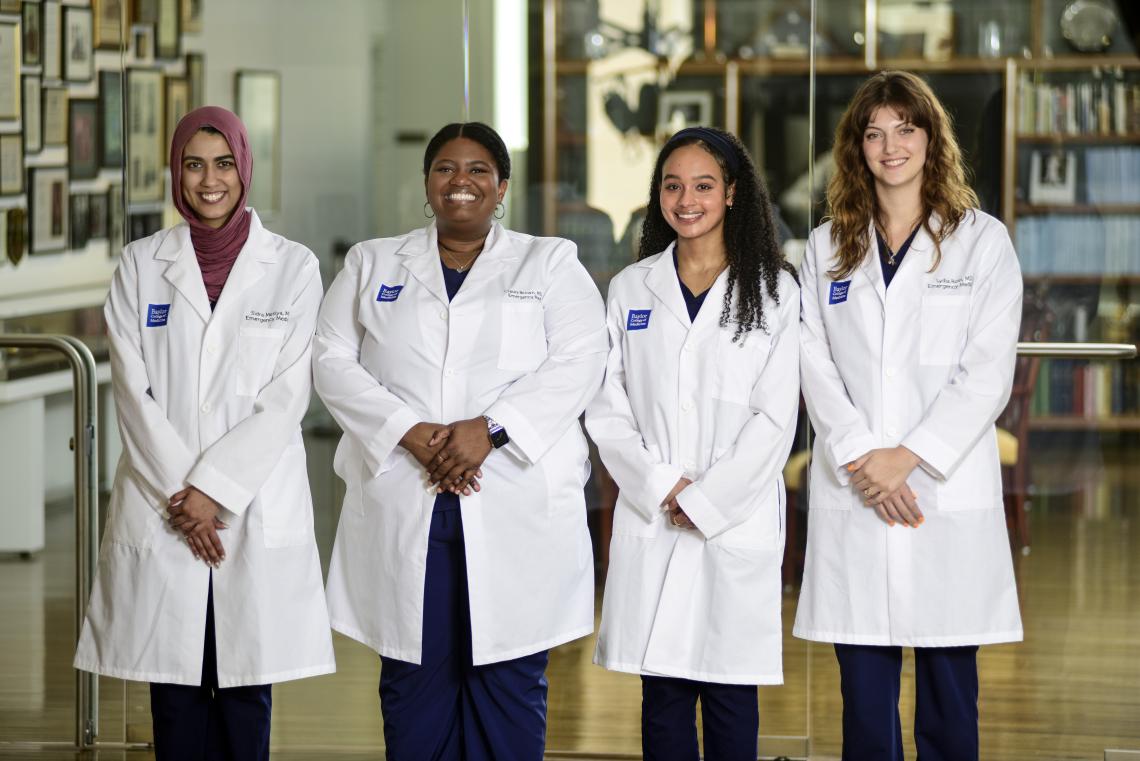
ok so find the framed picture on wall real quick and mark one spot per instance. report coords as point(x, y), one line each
point(677, 110)
point(9, 70)
point(9, 6)
point(80, 220)
point(177, 104)
point(143, 224)
point(257, 95)
point(145, 176)
point(110, 119)
point(168, 30)
point(54, 116)
point(78, 56)
point(53, 40)
point(116, 215)
point(83, 139)
point(11, 164)
point(97, 216)
point(196, 76)
point(192, 16)
point(32, 105)
point(142, 42)
point(32, 19)
point(17, 221)
point(47, 209)
point(110, 21)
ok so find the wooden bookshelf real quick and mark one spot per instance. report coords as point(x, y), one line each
point(1082, 423)
point(1026, 209)
point(1080, 138)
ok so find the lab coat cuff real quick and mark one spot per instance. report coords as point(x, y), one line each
point(377, 450)
point(848, 449)
point(219, 487)
point(661, 480)
point(703, 513)
point(937, 459)
point(525, 438)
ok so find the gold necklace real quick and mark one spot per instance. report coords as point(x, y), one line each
point(444, 251)
point(709, 283)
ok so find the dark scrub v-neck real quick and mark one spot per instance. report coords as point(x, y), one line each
point(452, 280)
point(889, 270)
point(692, 301)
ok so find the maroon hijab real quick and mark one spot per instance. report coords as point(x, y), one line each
point(216, 249)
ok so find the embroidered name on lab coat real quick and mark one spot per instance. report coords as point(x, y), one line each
point(268, 317)
point(839, 291)
point(517, 294)
point(638, 319)
point(389, 292)
point(951, 283)
point(156, 315)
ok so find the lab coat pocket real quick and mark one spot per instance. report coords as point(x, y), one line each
point(763, 529)
point(522, 347)
point(945, 317)
point(134, 513)
point(257, 356)
point(285, 500)
point(738, 365)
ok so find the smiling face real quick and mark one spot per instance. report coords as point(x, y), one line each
point(895, 150)
point(210, 181)
point(463, 187)
point(694, 198)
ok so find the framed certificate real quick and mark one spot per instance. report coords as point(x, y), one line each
point(9, 70)
point(145, 174)
point(54, 116)
point(78, 56)
point(11, 164)
point(48, 209)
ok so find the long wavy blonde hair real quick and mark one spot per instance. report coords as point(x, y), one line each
point(851, 198)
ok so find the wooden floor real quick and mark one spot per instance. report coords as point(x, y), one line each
point(1070, 691)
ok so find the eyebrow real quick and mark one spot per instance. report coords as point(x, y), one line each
point(217, 158)
point(698, 177)
point(902, 123)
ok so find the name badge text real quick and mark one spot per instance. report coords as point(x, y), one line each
point(157, 314)
point(389, 292)
point(839, 291)
point(638, 319)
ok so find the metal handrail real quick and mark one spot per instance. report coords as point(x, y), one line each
point(1076, 350)
point(85, 444)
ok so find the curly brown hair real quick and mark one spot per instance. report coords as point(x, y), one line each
point(851, 197)
point(751, 245)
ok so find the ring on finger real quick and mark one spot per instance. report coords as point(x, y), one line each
point(867, 492)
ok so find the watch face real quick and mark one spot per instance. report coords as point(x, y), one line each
point(1088, 24)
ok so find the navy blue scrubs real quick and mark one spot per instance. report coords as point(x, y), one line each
point(446, 707)
point(209, 723)
point(891, 263)
point(730, 712)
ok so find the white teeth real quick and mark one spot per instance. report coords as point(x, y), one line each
point(461, 197)
point(212, 197)
point(895, 162)
point(689, 215)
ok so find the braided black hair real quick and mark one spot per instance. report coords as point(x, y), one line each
point(751, 245)
point(481, 134)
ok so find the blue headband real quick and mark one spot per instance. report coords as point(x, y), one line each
point(714, 140)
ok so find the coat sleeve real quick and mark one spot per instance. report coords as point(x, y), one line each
point(837, 422)
point(158, 457)
point(644, 479)
point(539, 407)
point(232, 470)
point(725, 495)
point(374, 417)
point(965, 408)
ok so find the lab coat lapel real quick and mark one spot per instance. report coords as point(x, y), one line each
point(662, 282)
point(709, 314)
point(498, 252)
point(183, 272)
point(420, 257)
point(918, 260)
point(872, 270)
point(249, 267)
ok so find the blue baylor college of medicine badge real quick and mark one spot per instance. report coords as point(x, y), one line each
point(389, 292)
point(638, 319)
point(157, 315)
point(839, 291)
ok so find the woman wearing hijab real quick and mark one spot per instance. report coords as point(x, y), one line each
point(209, 584)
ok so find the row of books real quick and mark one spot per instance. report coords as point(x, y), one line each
point(1099, 103)
point(1070, 387)
point(1079, 244)
point(1112, 175)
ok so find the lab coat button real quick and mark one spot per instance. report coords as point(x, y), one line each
point(449, 373)
point(205, 406)
point(892, 431)
point(688, 347)
point(890, 372)
point(686, 405)
point(443, 314)
point(690, 465)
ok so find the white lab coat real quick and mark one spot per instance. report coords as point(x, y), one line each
point(523, 342)
point(681, 399)
point(928, 364)
point(215, 401)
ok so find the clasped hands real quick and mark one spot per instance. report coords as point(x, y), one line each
point(880, 476)
point(452, 455)
point(195, 516)
point(676, 515)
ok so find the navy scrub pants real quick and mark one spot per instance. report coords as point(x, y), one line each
point(730, 713)
point(447, 709)
point(946, 703)
point(208, 723)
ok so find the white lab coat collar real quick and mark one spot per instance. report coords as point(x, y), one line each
point(186, 276)
point(661, 279)
point(420, 256)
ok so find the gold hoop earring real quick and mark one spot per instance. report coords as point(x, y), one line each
point(427, 205)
